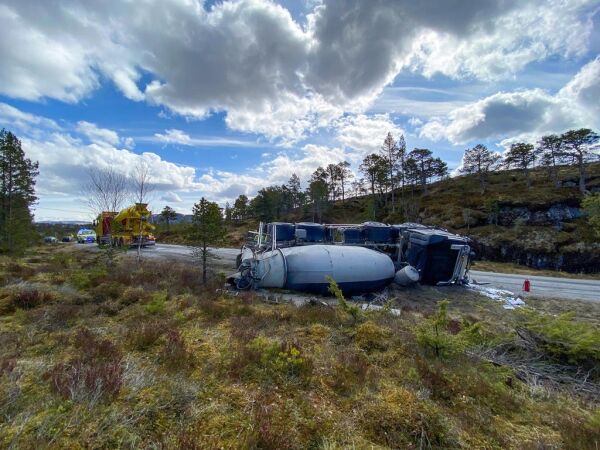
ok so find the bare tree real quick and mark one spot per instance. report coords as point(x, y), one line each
point(141, 190)
point(106, 190)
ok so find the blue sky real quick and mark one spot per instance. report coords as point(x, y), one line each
point(223, 98)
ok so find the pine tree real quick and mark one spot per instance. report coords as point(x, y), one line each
point(423, 159)
point(344, 175)
point(207, 229)
point(240, 208)
point(375, 169)
point(549, 152)
point(576, 146)
point(479, 160)
point(389, 150)
point(167, 215)
point(521, 156)
point(17, 194)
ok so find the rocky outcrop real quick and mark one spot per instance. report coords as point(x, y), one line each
point(522, 215)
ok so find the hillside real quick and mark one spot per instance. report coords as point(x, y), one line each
point(541, 227)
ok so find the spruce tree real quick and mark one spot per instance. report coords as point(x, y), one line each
point(17, 194)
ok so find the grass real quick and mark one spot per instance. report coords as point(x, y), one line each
point(146, 357)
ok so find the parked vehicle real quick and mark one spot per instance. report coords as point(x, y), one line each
point(68, 238)
point(86, 236)
point(126, 228)
point(50, 240)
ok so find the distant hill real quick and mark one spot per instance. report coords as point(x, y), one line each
point(181, 218)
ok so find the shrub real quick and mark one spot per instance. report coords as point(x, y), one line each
point(133, 295)
point(350, 372)
point(26, 295)
point(157, 303)
point(271, 360)
point(86, 278)
point(563, 338)
point(370, 336)
point(7, 365)
point(439, 334)
point(141, 336)
point(396, 418)
point(106, 291)
point(353, 310)
point(94, 374)
point(285, 423)
point(175, 354)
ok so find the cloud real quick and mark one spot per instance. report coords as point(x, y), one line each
point(15, 118)
point(269, 74)
point(524, 114)
point(174, 136)
point(171, 197)
point(362, 135)
point(97, 135)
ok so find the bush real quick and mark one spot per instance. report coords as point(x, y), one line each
point(175, 354)
point(563, 338)
point(350, 372)
point(157, 303)
point(396, 418)
point(133, 295)
point(141, 336)
point(84, 279)
point(268, 359)
point(370, 336)
point(94, 374)
point(26, 295)
point(107, 291)
point(441, 336)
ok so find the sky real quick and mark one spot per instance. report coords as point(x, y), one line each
point(222, 98)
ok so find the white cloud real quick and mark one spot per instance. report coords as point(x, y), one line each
point(362, 134)
point(268, 73)
point(502, 44)
point(15, 118)
point(174, 136)
point(525, 114)
point(96, 134)
point(171, 197)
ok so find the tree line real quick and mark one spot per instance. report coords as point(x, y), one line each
point(396, 172)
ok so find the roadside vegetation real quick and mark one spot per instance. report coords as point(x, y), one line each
point(145, 355)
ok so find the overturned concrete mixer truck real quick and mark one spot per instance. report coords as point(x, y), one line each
point(359, 257)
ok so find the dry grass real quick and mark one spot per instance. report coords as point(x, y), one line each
point(98, 367)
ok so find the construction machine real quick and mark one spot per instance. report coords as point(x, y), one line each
point(126, 228)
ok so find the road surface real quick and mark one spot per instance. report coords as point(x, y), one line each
point(554, 287)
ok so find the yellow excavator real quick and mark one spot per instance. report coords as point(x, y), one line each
point(126, 228)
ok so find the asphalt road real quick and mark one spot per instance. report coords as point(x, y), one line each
point(554, 287)
point(566, 288)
